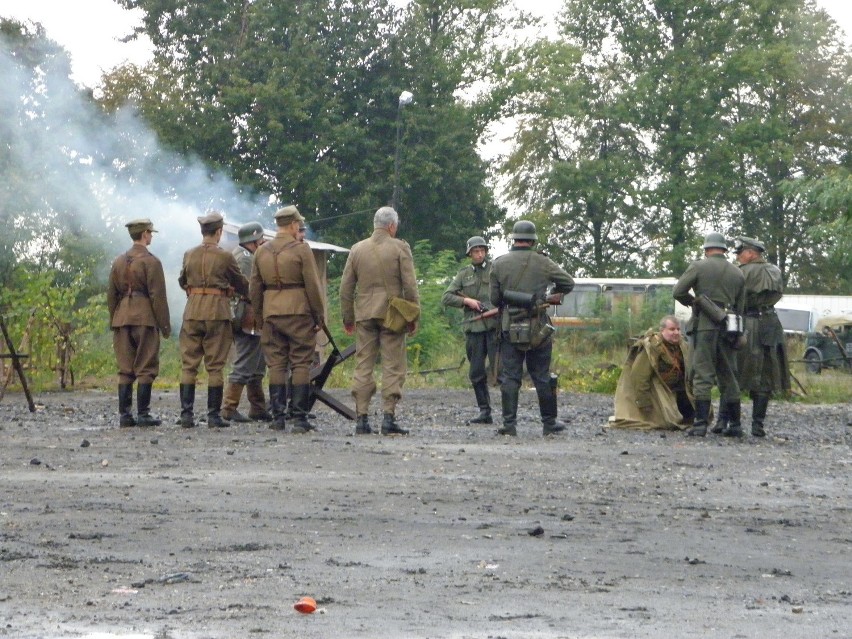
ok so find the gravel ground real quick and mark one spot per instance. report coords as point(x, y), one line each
point(450, 532)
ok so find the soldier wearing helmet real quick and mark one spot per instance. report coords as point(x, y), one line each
point(519, 285)
point(470, 290)
point(249, 365)
point(714, 359)
point(762, 366)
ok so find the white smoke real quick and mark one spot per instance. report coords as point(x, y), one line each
point(104, 170)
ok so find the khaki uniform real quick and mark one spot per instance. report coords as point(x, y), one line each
point(523, 270)
point(375, 268)
point(139, 312)
point(286, 295)
point(652, 391)
point(714, 360)
point(763, 365)
point(209, 276)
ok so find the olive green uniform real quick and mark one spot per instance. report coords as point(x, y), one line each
point(652, 391)
point(286, 295)
point(376, 268)
point(209, 276)
point(473, 281)
point(714, 360)
point(524, 270)
point(763, 366)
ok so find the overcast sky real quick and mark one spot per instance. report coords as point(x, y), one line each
point(91, 29)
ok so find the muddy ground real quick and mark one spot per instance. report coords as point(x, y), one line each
point(451, 532)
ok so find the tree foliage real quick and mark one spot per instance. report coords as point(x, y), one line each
point(669, 118)
point(301, 100)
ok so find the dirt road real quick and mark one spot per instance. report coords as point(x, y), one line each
point(450, 532)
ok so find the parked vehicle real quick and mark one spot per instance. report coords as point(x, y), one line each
point(591, 296)
point(830, 346)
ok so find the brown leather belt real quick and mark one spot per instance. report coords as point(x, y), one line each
point(193, 290)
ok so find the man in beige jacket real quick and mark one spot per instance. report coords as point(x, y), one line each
point(377, 269)
point(286, 294)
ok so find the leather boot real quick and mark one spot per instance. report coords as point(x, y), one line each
point(759, 404)
point(734, 428)
point(390, 427)
point(214, 408)
point(257, 402)
point(483, 401)
point(509, 402)
point(187, 402)
point(362, 426)
point(125, 406)
point(702, 412)
point(278, 403)
point(301, 394)
point(721, 420)
point(143, 407)
point(548, 410)
point(233, 393)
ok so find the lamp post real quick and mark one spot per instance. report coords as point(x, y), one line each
point(406, 97)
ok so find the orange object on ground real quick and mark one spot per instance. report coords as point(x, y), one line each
point(306, 605)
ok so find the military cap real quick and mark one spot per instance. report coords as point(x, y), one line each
point(140, 226)
point(212, 221)
point(744, 243)
point(288, 215)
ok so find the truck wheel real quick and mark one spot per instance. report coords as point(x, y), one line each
point(813, 362)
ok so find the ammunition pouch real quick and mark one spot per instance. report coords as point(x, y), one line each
point(528, 332)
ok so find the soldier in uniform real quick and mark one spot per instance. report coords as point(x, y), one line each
point(762, 366)
point(249, 365)
point(210, 276)
point(138, 312)
point(470, 290)
point(286, 294)
point(714, 360)
point(524, 273)
point(378, 268)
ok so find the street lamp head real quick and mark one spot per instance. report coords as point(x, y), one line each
point(406, 97)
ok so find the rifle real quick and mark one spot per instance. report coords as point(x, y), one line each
point(525, 301)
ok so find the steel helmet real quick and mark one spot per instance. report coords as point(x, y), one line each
point(524, 230)
point(475, 241)
point(715, 240)
point(250, 232)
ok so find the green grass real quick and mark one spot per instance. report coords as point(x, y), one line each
point(583, 366)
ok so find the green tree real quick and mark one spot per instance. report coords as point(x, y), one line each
point(301, 100)
point(785, 116)
point(576, 159)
